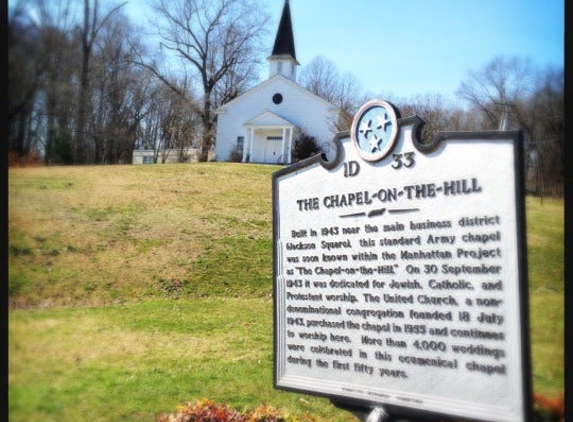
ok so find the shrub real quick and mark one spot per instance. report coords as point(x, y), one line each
point(545, 410)
point(32, 158)
point(304, 147)
point(63, 151)
point(549, 409)
point(236, 156)
point(208, 411)
point(265, 413)
point(202, 411)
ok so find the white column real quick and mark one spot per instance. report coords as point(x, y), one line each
point(283, 141)
point(289, 156)
point(249, 157)
point(246, 145)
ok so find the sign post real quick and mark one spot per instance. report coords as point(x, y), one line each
point(400, 273)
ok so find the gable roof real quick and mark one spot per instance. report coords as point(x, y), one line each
point(268, 118)
point(284, 41)
point(270, 81)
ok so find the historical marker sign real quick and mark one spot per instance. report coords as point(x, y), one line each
point(400, 274)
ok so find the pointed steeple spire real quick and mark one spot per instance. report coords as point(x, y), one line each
point(283, 58)
point(284, 41)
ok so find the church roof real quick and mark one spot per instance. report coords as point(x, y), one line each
point(284, 41)
point(268, 118)
point(278, 81)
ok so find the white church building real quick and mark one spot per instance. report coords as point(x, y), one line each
point(262, 123)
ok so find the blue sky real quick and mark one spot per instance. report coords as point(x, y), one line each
point(403, 48)
point(410, 47)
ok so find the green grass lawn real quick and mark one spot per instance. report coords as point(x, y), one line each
point(136, 288)
point(128, 362)
point(545, 247)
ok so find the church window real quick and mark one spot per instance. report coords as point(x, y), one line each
point(277, 98)
point(240, 143)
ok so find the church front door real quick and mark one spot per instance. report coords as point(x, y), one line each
point(273, 145)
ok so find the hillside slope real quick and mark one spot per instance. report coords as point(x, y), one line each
point(96, 235)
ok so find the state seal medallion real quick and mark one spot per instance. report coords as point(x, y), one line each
point(374, 130)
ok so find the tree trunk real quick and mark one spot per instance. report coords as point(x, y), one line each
point(207, 128)
point(80, 140)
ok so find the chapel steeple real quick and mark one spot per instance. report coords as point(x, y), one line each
point(283, 58)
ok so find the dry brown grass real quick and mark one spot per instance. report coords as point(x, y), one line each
point(89, 235)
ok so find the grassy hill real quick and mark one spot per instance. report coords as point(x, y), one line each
point(135, 288)
point(95, 235)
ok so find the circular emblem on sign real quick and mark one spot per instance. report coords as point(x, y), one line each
point(374, 130)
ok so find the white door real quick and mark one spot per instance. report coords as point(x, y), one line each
point(273, 145)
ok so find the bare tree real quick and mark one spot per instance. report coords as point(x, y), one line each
point(177, 126)
point(541, 116)
point(499, 84)
point(92, 25)
point(219, 40)
point(350, 98)
point(48, 69)
point(439, 115)
point(170, 124)
point(533, 102)
point(119, 92)
point(26, 73)
point(321, 77)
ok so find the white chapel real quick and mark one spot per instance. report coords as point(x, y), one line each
point(262, 123)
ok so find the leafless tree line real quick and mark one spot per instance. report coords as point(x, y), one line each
point(86, 88)
point(507, 93)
